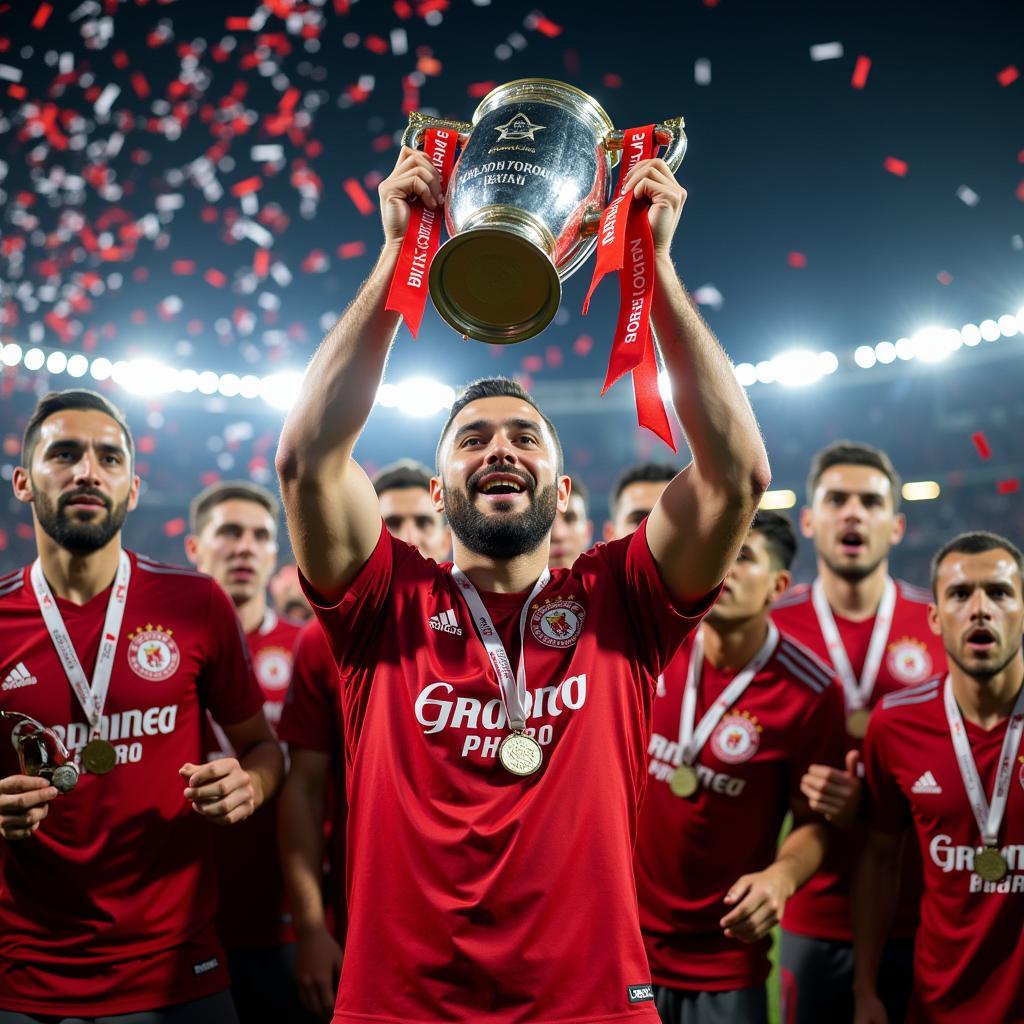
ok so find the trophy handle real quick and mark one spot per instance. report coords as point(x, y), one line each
point(668, 133)
point(419, 123)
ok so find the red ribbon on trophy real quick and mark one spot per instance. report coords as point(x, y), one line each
point(408, 292)
point(625, 245)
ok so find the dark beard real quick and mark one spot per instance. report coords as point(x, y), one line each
point(988, 671)
point(853, 573)
point(79, 538)
point(501, 536)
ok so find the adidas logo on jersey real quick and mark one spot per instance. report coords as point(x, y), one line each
point(445, 622)
point(926, 784)
point(19, 676)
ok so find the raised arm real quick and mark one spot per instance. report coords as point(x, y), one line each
point(699, 523)
point(329, 502)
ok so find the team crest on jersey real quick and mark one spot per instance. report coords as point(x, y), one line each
point(557, 623)
point(153, 652)
point(908, 660)
point(737, 738)
point(274, 667)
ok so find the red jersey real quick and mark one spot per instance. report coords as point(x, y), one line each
point(253, 911)
point(969, 957)
point(912, 654)
point(690, 852)
point(108, 908)
point(311, 720)
point(475, 894)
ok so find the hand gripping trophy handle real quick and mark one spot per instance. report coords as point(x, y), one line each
point(41, 752)
point(419, 123)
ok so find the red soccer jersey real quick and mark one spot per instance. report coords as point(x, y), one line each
point(311, 720)
point(969, 957)
point(690, 852)
point(475, 894)
point(108, 908)
point(913, 653)
point(253, 912)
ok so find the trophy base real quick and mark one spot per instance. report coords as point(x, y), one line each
point(494, 285)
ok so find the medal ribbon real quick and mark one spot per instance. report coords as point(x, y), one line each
point(989, 816)
point(858, 691)
point(625, 245)
point(513, 687)
point(408, 292)
point(91, 697)
point(691, 741)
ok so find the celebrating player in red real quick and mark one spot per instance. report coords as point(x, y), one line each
point(233, 538)
point(874, 632)
point(492, 811)
point(945, 758)
point(108, 892)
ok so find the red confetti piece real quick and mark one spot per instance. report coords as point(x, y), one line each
point(944, 277)
point(1008, 486)
point(546, 27)
point(797, 260)
point(583, 344)
point(429, 65)
point(896, 166)
point(243, 188)
point(17, 92)
point(612, 81)
point(261, 262)
point(553, 355)
point(237, 24)
point(146, 444)
point(375, 44)
point(532, 364)
point(479, 89)
point(215, 278)
point(1020, 192)
point(358, 195)
point(183, 266)
point(349, 250)
point(139, 84)
point(1008, 76)
point(24, 531)
point(42, 15)
point(860, 72)
point(403, 9)
point(981, 443)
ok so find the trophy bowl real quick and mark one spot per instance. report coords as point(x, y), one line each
point(524, 204)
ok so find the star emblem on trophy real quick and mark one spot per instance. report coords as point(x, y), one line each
point(520, 127)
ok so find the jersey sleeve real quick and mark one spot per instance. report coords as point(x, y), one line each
point(887, 807)
point(659, 624)
point(309, 717)
point(227, 684)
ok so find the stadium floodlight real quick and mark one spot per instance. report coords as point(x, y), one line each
point(865, 357)
point(208, 382)
point(800, 367)
point(664, 386)
point(885, 352)
point(1008, 325)
point(989, 330)
point(78, 365)
point(56, 362)
point(11, 354)
point(280, 390)
point(417, 396)
point(101, 368)
point(34, 359)
point(905, 349)
point(229, 384)
point(249, 386)
point(746, 374)
point(971, 334)
point(775, 500)
point(921, 490)
point(188, 380)
point(144, 377)
point(933, 344)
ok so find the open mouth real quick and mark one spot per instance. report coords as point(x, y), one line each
point(852, 543)
point(981, 640)
point(501, 485)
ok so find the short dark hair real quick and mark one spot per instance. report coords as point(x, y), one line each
point(208, 499)
point(61, 401)
point(975, 542)
point(642, 473)
point(401, 476)
point(853, 453)
point(496, 387)
point(779, 536)
point(577, 486)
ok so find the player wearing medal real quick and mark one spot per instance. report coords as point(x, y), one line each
point(107, 894)
point(312, 799)
point(492, 808)
point(874, 632)
point(945, 759)
point(572, 531)
point(233, 538)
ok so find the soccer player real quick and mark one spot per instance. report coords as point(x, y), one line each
point(874, 632)
point(742, 713)
point(945, 759)
point(634, 496)
point(287, 596)
point(572, 531)
point(492, 811)
point(313, 799)
point(108, 892)
point(233, 538)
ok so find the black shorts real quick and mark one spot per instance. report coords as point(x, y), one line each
point(684, 1006)
point(215, 1009)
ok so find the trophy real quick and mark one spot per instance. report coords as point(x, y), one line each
point(41, 752)
point(524, 204)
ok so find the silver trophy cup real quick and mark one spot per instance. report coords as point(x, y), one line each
point(524, 204)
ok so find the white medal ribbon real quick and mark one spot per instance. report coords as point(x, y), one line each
point(91, 697)
point(989, 816)
point(858, 691)
point(513, 687)
point(691, 741)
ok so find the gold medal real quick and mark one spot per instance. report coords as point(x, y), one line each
point(98, 756)
point(683, 781)
point(857, 723)
point(990, 864)
point(520, 754)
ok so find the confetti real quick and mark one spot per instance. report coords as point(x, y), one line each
point(702, 71)
point(359, 198)
point(708, 295)
point(896, 166)
point(826, 51)
point(796, 260)
point(1011, 486)
point(1008, 76)
point(944, 277)
point(980, 442)
point(860, 72)
point(967, 195)
point(42, 15)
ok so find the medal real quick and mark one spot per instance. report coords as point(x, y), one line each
point(684, 782)
point(990, 864)
point(65, 777)
point(857, 723)
point(98, 756)
point(520, 754)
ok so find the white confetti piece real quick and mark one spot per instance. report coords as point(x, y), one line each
point(967, 195)
point(826, 51)
point(702, 71)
